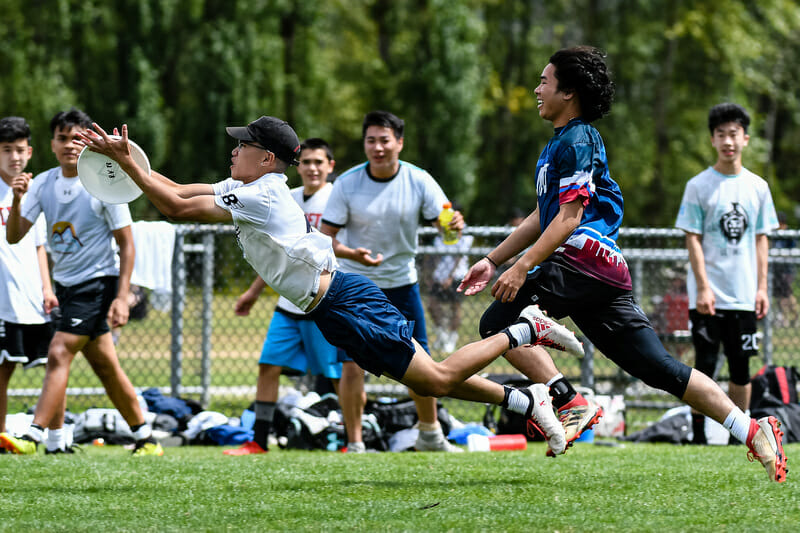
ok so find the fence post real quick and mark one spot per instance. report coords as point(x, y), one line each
point(208, 297)
point(178, 303)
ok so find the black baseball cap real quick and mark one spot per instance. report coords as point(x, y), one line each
point(273, 134)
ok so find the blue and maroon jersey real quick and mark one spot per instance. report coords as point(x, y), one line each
point(573, 166)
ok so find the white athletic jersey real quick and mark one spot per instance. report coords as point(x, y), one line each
point(313, 207)
point(275, 236)
point(21, 298)
point(79, 227)
point(728, 211)
point(383, 216)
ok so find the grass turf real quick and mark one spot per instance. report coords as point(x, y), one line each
point(635, 487)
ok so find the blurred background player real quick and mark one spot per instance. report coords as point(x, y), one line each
point(26, 298)
point(726, 212)
point(293, 340)
point(380, 203)
point(92, 290)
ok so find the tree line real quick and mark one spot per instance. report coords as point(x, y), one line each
point(460, 72)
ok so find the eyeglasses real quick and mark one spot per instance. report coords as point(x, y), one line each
point(242, 144)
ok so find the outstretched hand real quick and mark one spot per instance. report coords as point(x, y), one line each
point(477, 278)
point(363, 256)
point(97, 140)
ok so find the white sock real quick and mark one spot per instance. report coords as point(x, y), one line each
point(518, 402)
point(36, 433)
point(55, 440)
point(519, 333)
point(554, 379)
point(426, 427)
point(738, 424)
point(143, 432)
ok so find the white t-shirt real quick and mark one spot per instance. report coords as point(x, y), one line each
point(383, 216)
point(313, 207)
point(275, 236)
point(728, 211)
point(79, 227)
point(21, 298)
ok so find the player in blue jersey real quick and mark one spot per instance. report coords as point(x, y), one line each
point(574, 267)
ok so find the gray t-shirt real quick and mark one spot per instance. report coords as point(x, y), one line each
point(79, 227)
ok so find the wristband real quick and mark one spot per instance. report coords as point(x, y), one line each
point(490, 260)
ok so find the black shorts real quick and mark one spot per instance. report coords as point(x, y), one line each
point(608, 316)
point(735, 331)
point(24, 343)
point(84, 306)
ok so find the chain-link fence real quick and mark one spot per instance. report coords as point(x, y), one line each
point(191, 343)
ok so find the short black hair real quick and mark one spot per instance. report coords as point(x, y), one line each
point(582, 69)
point(316, 143)
point(383, 119)
point(13, 129)
point(69, 119)
point(727, 112)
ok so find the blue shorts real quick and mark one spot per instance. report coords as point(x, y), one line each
point(298, 344)
point(357, 317)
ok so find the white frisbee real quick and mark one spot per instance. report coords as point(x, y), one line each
point(105, 180)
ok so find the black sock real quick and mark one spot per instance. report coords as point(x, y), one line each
point(265, 412)
point(699, 428)
point(562, 392)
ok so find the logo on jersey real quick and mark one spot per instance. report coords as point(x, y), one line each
point(75, 321)
point(64, 238)
point(232, 201)
point(734, 224)
point(541, 180)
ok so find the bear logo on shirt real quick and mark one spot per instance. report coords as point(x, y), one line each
point(734, 224)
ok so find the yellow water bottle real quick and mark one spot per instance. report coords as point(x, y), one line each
point(449, 236)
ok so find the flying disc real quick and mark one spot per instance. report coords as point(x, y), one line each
point(103, 178)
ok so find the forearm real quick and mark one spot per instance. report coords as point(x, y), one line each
point(127, 256)
point(694, 245)
point(15, 223)
point(553, 236)
point(762, 261)
point(44, 268)
point(520, 238)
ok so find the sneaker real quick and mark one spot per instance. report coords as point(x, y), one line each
point(577, 416)
point(434, 441)
point(248, 448)
point(144, 447)
point(764, 442)
point(547, 332)
point(355, 447)
point(20, 445)
point(72, 448)
point(542, 419)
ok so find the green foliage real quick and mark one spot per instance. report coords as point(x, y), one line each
point(591, 488)
point(461, 73)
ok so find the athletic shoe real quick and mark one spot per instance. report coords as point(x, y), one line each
point(764, 442)
point(355, 447)
point(144, 447)
point(248, 448)
point(577, 416)
point(72, 448)
point(434, 441)
point(21, 446)
point(547, 332)
point(542, 419)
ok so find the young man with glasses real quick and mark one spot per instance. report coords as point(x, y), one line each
point(298, 262)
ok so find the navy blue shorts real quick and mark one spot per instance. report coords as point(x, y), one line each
point(84, 307)
point(609, 317)
point(357, 317)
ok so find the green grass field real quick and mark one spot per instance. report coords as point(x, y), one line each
point(635, 487)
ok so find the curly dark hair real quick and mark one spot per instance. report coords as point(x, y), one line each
point(582, 69)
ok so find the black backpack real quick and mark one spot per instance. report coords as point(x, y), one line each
point(775, 394)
